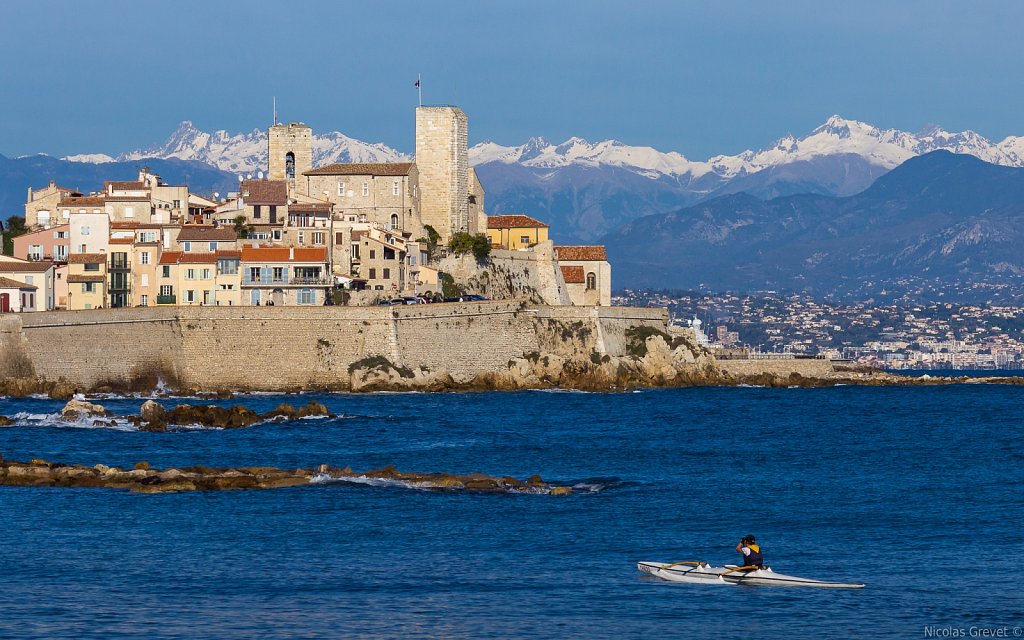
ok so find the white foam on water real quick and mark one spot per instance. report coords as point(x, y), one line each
point(25, 419)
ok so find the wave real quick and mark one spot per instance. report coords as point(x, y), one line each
point(598, 484)
point(25, 419)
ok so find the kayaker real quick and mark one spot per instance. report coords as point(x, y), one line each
point(751, 552)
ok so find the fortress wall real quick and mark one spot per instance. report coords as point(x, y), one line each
point(104, 346)
point(579, 331)
point(811, 368)
point(14, 360)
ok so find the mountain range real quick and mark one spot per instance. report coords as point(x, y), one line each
point(938, 224)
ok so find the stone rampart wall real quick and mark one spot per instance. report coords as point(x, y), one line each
point(811, 368)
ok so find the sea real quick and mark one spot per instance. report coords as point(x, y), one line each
point(918, 492)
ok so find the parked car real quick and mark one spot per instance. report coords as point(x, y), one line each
point(473, 297)
point(390, 303)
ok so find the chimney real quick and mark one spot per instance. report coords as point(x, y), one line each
point(291, 253)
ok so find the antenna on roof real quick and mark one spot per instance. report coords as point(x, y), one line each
point(240, 178)
point(275, 111)
point(259, 175)
point(248, 176)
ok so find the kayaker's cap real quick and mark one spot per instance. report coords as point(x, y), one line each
point(748, 538)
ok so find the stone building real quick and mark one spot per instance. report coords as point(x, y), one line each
point(42, 207)
point(291, 152)
point(379, 259)
point(284, 275)
point(587, 274)
point(442, 158)
point(385, 193)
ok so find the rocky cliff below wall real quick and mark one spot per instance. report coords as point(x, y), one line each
point(507, 344)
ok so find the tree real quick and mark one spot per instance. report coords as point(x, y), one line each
point(242, 229)
point(15, 228)
point(479, 245)
point(433, 237)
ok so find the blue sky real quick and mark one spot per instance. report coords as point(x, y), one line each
point(700, 78)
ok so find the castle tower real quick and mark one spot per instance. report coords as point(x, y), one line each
point(291, 152)
point(442, 159)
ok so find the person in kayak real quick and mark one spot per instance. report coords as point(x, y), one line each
point(751, 552)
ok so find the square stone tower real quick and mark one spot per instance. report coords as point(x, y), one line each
point(442, 158)
point(291, 152)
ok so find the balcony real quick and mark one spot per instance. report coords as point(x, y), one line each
point(167, 299)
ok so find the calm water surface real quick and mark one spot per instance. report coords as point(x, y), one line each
point(917, 492)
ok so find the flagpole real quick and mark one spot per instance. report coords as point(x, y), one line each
point(419, 88)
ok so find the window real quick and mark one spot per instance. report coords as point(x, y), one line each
point(177, 204)
point(66, 214)
point(355, 251)
point(366, 189)
point(166, 290)
point(62, 252)
point(591, 281)
point(277, 234)
point(190, 274)
point(373, 274)
point(166, 271)
point(524, 239)
point(206, 274)
point(144, 300)
point(92, 266)
point(129, 212)
point(395, 189)
point(187, 245)
point(88, 287)
point(30, 279)
point(213, 247)
point(387, 274)
point(60, 235)
point(289, 165)
point(394, 220)
point(306, 296)
point(35, 252)
point(85, 230)
point(144, 257)
point(144, 280)
point(257, 212)
point(318, 237)
point(341, 189)
point(278, 274)
point(302, 238)
point(273, 214)
point(254, 274)
point(373, 254)
point(227, 267)
point(190, 295)
point(389, 254)
point(43, 217)
point(81, 248)
point(147, 236)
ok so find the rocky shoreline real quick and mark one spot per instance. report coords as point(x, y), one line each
point(141, 478)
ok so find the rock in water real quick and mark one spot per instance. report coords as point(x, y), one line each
point(153, 411)
point(5, 422)
point(74, 410)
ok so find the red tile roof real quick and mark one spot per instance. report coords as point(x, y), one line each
point(281, 254)
point(573, 275)
point(265, 192)
point(362, 169)
point(122, 240)
point(87, 201)
point(513, 221)
point(24, 266)
point(124, 225)
point(594, 252)
point(201, 233)
point(228, 253)
point(87, 258)
point(196, 258)
point(304, 207)
point(125, 185)
point(7, 283)
point(78, 277)
point(169, 257)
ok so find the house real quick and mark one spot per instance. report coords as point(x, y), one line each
point(50, 243)
point(264, 201)
point(587, 274)
point(378, 257)
point(515, 232)
point(87, 281)
point(199, 278)
point(285, 275)
point(206, 239)
point(369, 192)
point(40, 274)
point(16, 297)
point(42, 205)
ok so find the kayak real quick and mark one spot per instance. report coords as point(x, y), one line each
point(703, 573)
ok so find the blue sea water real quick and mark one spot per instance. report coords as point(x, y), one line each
point(918, 492)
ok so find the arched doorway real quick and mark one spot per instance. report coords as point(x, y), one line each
point(277, 297)
point(5, 303)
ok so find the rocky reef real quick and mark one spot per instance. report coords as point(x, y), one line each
point(141, 478)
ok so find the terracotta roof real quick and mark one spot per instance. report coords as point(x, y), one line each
point(24, 266)
point(87, 258)
point(573, 275)
point(122, 240)
point(169, 257)
point(229, 254)
point(265, 192)
point(309, 207)
point(78, 277)
point(280, 254)
point(61, 189)
point(126, 186)
point(194, 233)
point(87, 201)
point(513, 221)
point(124, 225)
point(581, 252)
point(362, 169)
point(196, 258)
point(7, 283)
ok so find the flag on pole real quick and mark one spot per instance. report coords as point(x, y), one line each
point(417, 85)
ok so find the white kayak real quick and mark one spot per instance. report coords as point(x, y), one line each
point(703, 573)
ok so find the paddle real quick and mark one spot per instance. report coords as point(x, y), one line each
point(750, 566)
point(695, 563)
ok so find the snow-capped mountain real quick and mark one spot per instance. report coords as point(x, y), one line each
point(247, 152)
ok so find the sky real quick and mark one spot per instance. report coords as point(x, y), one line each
point(700, 78)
